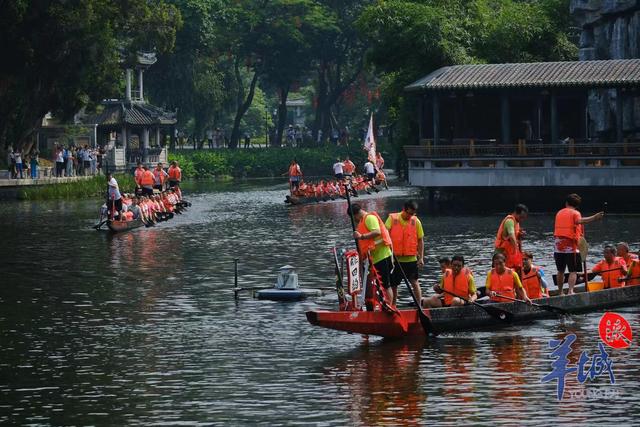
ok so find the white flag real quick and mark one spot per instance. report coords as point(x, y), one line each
point(370, 143)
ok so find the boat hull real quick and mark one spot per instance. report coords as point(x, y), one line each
point(294, 200)
point(455, 319)
point(120, 226)
point(287, 294)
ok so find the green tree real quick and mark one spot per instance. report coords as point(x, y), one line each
point(59, 56)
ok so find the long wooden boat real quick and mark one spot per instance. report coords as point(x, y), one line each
point(455, 319)
point(117, 226)
point(295, 200)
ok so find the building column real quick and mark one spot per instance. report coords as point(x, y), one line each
point(538, 118)
point(145, 145)
point(420, 119)
point(436, 118)
point(158, 136)
point(584, 120)
point(128, 84)
point(554, 117)
point(140, 85)
point(124, 137)
point(505, 119)
point(619, 117)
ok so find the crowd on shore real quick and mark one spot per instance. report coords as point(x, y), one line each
point(68, 161)
point(395, 248)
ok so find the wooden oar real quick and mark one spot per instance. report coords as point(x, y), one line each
point(498, 313)
point(425, 319)
point(548, 307)
point(583, 247)
point(626, 279)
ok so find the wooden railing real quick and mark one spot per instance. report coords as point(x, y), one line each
point(531, 149)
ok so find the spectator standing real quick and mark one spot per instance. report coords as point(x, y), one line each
point(69, 162)
point(17, 154)
point(34, 163)
point(59, 161)
point(86, 160)
point(12, 163)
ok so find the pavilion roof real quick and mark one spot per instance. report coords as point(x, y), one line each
point(606, 73)
point(117, 113)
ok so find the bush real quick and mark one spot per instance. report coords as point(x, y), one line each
point(262, 163)
point(93, 187)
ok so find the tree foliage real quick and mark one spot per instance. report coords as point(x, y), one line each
point(62, 55)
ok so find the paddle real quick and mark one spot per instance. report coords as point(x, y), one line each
point(626, 279)
point(548, 307)
point(581, 275)
point(583, 247)
point(498, 313)
point(425, 320)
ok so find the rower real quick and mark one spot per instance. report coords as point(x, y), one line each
point(337, 170)
point(146, 182)
point(457, 280)
point(504, 281)
point(623, 252)
point(374, 238)
point(612, 269)
point(509, 237)
point(445, 264)
point(567, 232)
point(407, 237)
point(532, 278)
point(633, 275)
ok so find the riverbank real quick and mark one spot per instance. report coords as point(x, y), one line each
point(263, 163)
point(78, 189)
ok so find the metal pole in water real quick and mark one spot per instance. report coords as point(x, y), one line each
point(235, 277)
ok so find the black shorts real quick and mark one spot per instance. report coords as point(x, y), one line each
point(147, 191)
point(173, 183)
point(339, 176)
point(384, 271)
point(410, 270)
point(371, 176)
point(158, 187)
point(573, 262)
point(117, 204)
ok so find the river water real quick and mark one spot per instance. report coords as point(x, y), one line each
point(142, 328)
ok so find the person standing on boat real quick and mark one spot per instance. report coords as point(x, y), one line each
point(370, 170)
point(457, 280)
point(509, 237)
point(568, 229)
point(338, 171)
point(373, 238)
point(612, 269)
point(407, 237)
point(175, 174)
point(295, 174)
point(114, 203)
point(146, 182)
point(159, 177)
point(348, 167)
point(503, 281)
point(532, 278)
point(137, 175)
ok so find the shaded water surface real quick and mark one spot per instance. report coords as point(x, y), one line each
point(142, 328)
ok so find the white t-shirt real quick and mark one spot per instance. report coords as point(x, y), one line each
point(59, 157)
point(114, 190)
point(368, 167)
point(337, 168)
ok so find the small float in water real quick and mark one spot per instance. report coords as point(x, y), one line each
point(287, 287)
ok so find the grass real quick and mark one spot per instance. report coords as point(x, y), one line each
point(94, 187)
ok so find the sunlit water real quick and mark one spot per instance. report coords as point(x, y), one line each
point(142, 328)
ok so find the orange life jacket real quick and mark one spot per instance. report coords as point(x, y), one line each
point(147, 178)
point(630, 258)
point(175, 174)
point(367, 245)
point(610, 278)
point(634, 271)
point(503, 284)
point(158, 176)
point(532, 283)
point(513, 255)
point(128, 216)
point(404, 237)
point(458, 285)
point(137, 175)
point(294, 170)
point(565, 225)
point(348, 166)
